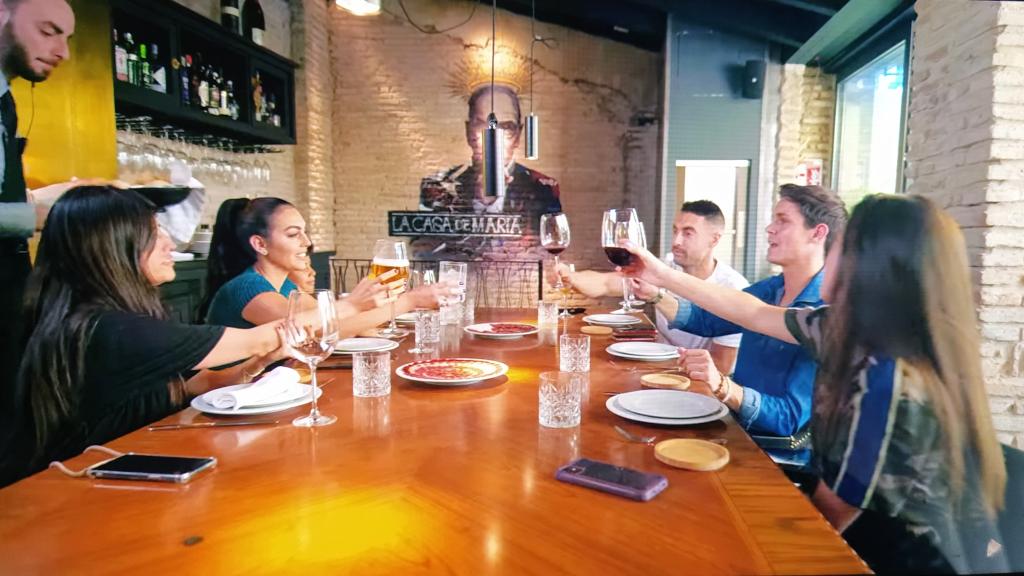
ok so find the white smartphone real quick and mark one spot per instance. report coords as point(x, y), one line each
point(152, 467)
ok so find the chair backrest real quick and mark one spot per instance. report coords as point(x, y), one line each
point(491, 283)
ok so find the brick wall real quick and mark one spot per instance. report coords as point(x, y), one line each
point(395, 120)
point(806, 118)
point(966, 151)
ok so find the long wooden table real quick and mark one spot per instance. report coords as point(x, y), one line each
point(428, 480)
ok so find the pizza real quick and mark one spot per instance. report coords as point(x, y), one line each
point(452, 369)
point(505, 328)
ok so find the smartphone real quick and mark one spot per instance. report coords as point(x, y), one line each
point(152, 467)
point(617, 480)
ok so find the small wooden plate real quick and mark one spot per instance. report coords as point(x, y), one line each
point(596, 330)
point(692, 454)
point(665, 381)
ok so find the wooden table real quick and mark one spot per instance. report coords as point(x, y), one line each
point(427, 480)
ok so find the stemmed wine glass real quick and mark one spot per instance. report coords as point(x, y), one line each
point(389, 255)
point(617, 225)
point(555, 237)
point(311, 331)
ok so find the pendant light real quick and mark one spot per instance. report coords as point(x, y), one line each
point(494, 139)
point(532, 122)
point(360, 7)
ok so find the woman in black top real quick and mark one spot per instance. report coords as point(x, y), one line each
point(101, 358)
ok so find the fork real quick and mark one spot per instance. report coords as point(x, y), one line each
point(650, 439)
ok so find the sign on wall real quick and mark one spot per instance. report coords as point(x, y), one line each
point(455, 224)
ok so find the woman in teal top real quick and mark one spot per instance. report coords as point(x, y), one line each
point(256, 245)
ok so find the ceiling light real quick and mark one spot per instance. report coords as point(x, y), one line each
point(360, 7)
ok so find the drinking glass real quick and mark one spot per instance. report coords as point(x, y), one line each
point(455, 274)
point(371, 374)
point(547, 314)
point(428, 331)
point(559, 398)
point(554, 237)
point(574, 353)
point(311, 331)
point(389, 255)
point(617, 225)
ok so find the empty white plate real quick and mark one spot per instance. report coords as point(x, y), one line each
point(353, 345)
point(615, 408)
point(611, 319)
point(298, 396)
point(669, 403)
point(644, 349)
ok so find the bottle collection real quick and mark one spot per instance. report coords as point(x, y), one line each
point(138, 63)
point(264, 105)
point(204, 87)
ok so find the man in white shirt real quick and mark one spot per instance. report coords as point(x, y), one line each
point(696, 231)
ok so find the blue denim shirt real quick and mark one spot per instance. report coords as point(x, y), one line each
point(778, 377)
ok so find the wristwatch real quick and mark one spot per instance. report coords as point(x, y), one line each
point(659, 297)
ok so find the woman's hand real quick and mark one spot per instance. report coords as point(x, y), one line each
point(698, 365)
point(643, 290)
point(644, 265)
point(587, 282)
point(430, 296)
point(368, 294)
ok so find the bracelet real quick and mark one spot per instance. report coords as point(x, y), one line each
point(722, 392)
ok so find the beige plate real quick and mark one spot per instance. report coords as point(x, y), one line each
point(692, 454)
point(665, 381)
point(596, 330)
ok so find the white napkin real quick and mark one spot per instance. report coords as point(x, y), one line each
point(276, 382)
point(181, 220)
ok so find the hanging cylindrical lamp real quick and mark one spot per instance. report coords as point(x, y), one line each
point(532, 122)
point(493, 136)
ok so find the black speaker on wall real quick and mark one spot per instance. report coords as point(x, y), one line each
point(753, 78)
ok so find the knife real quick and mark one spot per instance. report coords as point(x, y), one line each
point(212, 424)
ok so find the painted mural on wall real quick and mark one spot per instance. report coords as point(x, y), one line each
point(463, 222)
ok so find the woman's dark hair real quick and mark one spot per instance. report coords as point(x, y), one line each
point(903, 290)
point(238, 220)
point(90, 260)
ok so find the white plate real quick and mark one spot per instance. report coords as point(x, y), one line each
point(614, 407)
point(501, 369)
point(299, 397)
point(407, 318)
point(483, 331)
point(611, 319)
point(353, 345)
point(644, 349)
point(669, 404)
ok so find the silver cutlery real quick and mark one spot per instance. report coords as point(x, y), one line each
point(650, 439)
point(212, 424)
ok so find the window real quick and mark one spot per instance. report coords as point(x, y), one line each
point(869, 123)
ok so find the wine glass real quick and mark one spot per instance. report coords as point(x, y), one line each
point(555, 237)
point(311, 331)
point(389, 255)
point(617, 225)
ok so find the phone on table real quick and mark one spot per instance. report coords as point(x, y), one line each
point(617, 480)
point(152, 467)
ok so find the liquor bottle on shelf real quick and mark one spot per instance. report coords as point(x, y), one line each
point(146, 77)
point(253, 23)
point(156, 70)
point(184, 71)
point(196, 75)
point(273, 116)
point(224, 93)
point(232, 104)
point(120, 59)
point(204, 87)
point(133, 59)
point(214, 108)
point(257, 97)
point(230, 17)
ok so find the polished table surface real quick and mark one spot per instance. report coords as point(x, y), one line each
point(430, 479)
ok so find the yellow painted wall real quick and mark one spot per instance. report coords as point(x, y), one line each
point(73, 133)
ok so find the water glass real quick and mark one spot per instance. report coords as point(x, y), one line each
point(547, 313)
point(451, 314)
point(560, 399)
point(455, 273)
point(428, 330)
point(574, 353)
point(371, 374)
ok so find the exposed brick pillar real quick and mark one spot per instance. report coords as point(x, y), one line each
point(806, 117)
point(966, 151)
point(314, 179)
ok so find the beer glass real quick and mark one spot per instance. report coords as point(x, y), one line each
point(389, 255)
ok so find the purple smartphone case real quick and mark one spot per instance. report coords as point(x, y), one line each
point(643, 486)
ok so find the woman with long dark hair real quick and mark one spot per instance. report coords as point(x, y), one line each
point(101, 359)
point(910, 468)
point(256, 245)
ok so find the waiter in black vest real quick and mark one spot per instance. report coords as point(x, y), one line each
point(33, 41)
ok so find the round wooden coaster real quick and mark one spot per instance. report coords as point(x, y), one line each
point(665, 381)
point(596, 330)
point(692, 454)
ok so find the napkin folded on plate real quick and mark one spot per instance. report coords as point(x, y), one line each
point(274, 383)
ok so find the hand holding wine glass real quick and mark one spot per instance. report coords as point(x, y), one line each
point(390, 266)
point(311, 332)
point(618, 226)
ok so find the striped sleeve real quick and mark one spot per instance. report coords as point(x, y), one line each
point(806, 326)
point(874, 412)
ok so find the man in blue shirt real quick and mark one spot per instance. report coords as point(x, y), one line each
point(774, 380)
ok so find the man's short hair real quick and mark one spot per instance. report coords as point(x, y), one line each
point(479, 93)
point(706, 209)
point(818, 205)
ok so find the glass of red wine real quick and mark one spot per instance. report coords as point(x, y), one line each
point(554, 237)
point(622, 224)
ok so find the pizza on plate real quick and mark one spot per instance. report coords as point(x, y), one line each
point(452, 369)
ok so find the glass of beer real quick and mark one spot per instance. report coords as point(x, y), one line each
point(389, 256)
